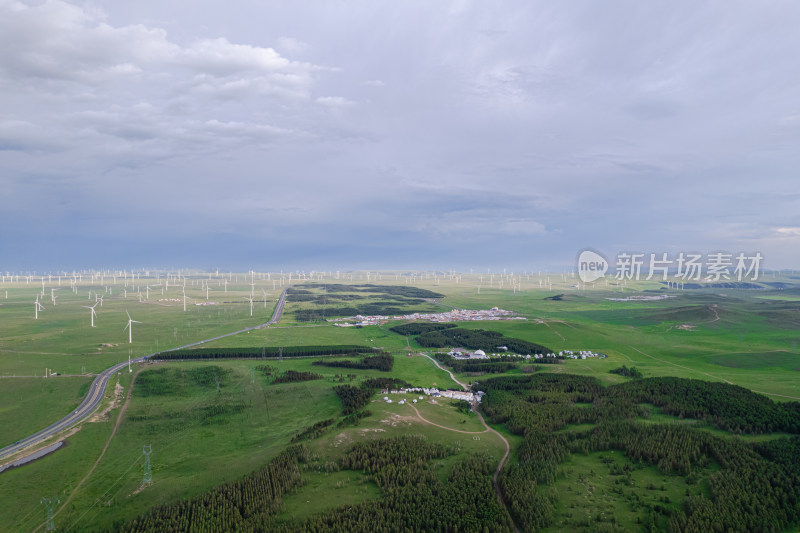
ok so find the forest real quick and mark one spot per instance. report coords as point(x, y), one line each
point(418, 328)
point(415, 498)
point(383, 362)
point(262, 352)
point(243, 505)
point(734, 485)
point(731, 484)
point(330, 300)
point(478, 366)
point(478, 339)
point(293, 376)
point(396, 290)
point(623, 370)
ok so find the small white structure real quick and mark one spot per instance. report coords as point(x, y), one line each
point(415, 401)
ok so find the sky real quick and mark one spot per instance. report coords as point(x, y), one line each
point(373, 134)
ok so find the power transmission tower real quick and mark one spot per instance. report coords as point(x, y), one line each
point(147, 479)
point(49, 505)
point(252, 375)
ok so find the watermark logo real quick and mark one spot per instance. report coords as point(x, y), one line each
point(591, 266)
point(713, 267)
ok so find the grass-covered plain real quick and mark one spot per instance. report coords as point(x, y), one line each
point(202, 437)
point(25, 402)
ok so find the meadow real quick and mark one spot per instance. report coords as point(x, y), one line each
point(211, 422)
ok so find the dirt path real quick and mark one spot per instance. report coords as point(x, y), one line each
point(488, 429)
point(779, 395)
point(435, 362)
point(100, 458)
point(426, 421)
point(554, 330)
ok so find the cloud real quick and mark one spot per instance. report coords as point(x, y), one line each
point(130, 85)
point(374, 83)
point(428, 126)
point(290, 45)
point(335, 101)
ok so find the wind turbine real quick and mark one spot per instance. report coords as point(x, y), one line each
point(250, 299)
point(94, 313)
point(129, 327)
point(39, 307)
point(265, 298)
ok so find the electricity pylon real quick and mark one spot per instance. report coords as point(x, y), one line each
point(49, 505)
point(147, 479)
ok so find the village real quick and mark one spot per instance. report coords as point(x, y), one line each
point(456, 315)
point(470, 397)
point(461, 353)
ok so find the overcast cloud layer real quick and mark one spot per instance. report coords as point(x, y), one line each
point(372, 134)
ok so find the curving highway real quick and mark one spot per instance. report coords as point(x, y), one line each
point(98, 388)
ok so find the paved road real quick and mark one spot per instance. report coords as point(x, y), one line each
point(98, 389)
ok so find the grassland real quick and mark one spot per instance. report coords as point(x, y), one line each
point(26, 402)
point(201, 436)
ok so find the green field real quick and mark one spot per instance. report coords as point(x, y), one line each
point(204, 432)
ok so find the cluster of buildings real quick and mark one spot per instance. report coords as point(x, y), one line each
point(456, 315)
point(435, 393)
point(642, 298)
point(461, 353)
point(580, 354)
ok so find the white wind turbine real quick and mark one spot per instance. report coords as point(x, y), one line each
point(94, 313)
point(129, 327)
point(38, 307)
point(250, 299)
point(265, 298)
